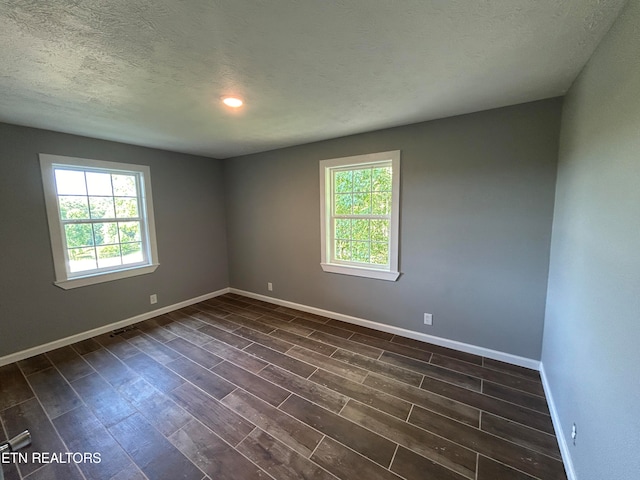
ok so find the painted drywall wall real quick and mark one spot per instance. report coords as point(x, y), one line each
point(592, 329)
point(190, 226)
point(476, 213)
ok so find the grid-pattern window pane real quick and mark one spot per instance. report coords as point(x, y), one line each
point(361, 214)
point(101, 221)
point(360, 211)
point(101, 217)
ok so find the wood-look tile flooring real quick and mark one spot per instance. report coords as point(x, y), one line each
point(235, 388)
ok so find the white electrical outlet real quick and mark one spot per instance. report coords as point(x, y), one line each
point(153, 299)
point(270, 286)
point(428, 319)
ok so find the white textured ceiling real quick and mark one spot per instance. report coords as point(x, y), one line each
point(150, 72)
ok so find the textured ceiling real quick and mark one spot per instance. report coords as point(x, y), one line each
point(151, 72)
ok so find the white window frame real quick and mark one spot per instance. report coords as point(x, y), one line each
point(389, 272)
point(68, 280)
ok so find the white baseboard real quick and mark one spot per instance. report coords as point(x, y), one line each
point(63, 342)
point(555, 419)
point(443, 342)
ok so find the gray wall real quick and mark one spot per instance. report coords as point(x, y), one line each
point(476, 213)
point(190, 226)
point(591, 352)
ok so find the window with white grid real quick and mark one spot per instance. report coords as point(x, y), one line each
point(100, 219)
point(360, 208)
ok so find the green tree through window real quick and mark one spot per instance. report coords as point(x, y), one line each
point(360, 218)
point(361, 204)
point(100, 217)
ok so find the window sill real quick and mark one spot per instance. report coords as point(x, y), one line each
point(105, 277)
point(360, 272)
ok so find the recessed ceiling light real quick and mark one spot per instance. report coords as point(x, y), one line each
point(233, 102)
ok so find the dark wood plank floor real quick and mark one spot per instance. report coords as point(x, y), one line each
point(236, 388)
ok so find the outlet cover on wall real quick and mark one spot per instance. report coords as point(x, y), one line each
point(270, 286)
point(153, 299)
point(428, 319)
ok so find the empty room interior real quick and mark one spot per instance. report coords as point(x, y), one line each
point(320, 240)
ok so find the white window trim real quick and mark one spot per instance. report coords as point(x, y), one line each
point(63, 280)
point(392, 272)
